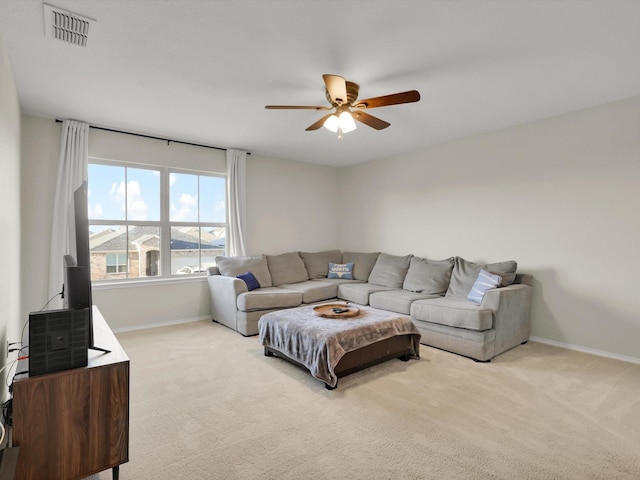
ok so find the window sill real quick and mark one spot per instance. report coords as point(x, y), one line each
point(147, 282)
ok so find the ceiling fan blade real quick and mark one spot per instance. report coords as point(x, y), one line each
point(318, 124)
point(295, 107)
point(386, 100)
point(373, 122)
point(337, 88)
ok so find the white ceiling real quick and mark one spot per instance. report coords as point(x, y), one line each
point(202, 71)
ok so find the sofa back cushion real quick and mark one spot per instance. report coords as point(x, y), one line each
point(465, 273)
point(362, 263)
point(286, 268)
point(429, 276)
point(390, 270)
point(317, 263)
point(234, 266)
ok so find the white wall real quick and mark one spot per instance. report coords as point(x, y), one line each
point(290, 206)
point(40, 151)
point(281, 196)
point(559, 196)
point(11, 320)
point(131, 148)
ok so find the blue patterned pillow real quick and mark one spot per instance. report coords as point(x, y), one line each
point(485, 281)
point(341, 270)
point(250, 280)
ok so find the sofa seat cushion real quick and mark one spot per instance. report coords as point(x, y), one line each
point(390, 270)
point(317, 263)
point(453, 312)
point(313, 290)
point(267, 298)
point(286, 268)
point(397, 300)
point(359, 292)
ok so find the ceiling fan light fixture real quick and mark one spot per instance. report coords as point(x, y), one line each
point(347, 123)
point(332, 123)
point(343, 123)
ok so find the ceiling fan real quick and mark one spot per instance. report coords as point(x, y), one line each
point(342, 96)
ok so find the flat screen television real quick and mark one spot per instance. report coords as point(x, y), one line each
point(77, 263)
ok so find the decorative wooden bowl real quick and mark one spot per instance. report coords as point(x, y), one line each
point(327, 310)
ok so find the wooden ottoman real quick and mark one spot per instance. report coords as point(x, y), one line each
point(330, 348)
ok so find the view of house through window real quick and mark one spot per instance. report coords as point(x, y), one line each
point(117, 262)
point(150, 222)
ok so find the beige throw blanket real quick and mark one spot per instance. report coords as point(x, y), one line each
point(319, 343)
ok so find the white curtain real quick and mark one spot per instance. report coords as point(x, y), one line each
point(72, 171)
point(236, 162)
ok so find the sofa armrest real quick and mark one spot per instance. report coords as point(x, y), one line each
point(224, 294)
point(511, 308)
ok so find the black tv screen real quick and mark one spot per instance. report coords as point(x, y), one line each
point(79, 227)
point(77, 264)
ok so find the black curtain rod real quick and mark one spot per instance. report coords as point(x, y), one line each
point(168, 140)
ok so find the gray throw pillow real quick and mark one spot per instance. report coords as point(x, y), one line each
point(234, 266)
point(429, 276)
point(317, 263)
point(465, 273)
point(286, 268)
point(362, 263)
point(390, 270)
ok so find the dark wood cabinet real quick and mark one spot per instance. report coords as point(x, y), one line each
point(75, 423)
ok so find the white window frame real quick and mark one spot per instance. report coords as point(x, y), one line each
point(164, 223)
point(165, 237)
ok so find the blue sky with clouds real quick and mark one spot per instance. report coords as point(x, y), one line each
point(189, 202)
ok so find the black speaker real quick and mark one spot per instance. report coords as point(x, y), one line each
point(58, 340)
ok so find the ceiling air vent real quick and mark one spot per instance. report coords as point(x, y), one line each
point(67, 26)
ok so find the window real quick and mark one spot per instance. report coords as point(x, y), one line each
point(197, 216)
point(150, 222)
point(116, 263)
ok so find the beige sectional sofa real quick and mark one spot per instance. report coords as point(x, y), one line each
point(433, 292)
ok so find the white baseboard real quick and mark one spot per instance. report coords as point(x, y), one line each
point(147, 326)
point(592, 351)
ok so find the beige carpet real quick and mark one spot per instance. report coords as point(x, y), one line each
point(207, 404)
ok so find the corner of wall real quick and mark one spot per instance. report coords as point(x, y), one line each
point(10, 212)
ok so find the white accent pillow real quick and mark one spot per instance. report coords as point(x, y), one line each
point(485, 281)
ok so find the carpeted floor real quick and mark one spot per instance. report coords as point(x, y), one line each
point(207, 404)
